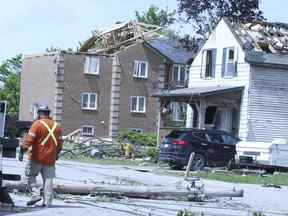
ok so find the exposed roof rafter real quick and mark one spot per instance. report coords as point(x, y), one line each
point(120, 36)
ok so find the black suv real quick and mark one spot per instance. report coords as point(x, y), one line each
point(211, 147)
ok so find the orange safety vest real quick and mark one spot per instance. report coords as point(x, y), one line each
point(45, 139)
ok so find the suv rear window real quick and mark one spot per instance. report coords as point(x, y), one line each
point(175, 134)
point(201, 136)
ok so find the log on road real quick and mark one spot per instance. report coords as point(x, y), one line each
point(137, 192)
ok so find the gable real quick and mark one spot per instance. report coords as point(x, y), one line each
point(221, 37)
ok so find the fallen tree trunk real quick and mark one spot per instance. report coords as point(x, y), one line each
point(137, 192)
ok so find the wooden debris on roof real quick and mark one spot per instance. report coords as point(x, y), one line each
point(119, 37)
point(263, 36)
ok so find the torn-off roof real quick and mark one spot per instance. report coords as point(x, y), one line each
point(172, 50)
point(261, 36)
point(119, 36)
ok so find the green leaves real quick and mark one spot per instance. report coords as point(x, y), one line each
point(10, 77)
point(205, 14)
point(155, 16)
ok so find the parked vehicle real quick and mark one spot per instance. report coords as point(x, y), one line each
point(260, 155)
point(15, 128)
point(211, 147)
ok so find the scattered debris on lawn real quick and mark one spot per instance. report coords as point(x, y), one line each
point(102, 148)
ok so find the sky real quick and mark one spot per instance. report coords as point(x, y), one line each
point(31, 26)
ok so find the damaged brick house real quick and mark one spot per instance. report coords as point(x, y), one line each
point(238, 81)
point(101, 90)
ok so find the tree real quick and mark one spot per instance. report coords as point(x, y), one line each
point(155, 16)
point(10, 77)
point(163, 18)
point(205, 14)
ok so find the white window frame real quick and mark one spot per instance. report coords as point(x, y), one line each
point(228, 61)
point(88, 134)
point(137, 104)
point(89, 97)
point(87, 65)
point(137, 69)
point(34, 111)
point(204, 64)
point(176, 110)
point(179, 66)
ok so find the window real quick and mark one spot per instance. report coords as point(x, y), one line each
point(175, 134)
point(89, 101)
point(138, 104)
point(201, 136)
point(87, 130)
point(178, 111)
point(229, 62)
point(210, 115)
point(140, 69)
point(138, 130)
point(229, 140)
point(91, 65)
point(209, 63)
point(34, 111)
point(179, 75)
point(215, 138)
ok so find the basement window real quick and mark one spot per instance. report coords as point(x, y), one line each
point(88, 130)
point(137, 130)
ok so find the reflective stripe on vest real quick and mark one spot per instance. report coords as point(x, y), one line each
point(50, 133)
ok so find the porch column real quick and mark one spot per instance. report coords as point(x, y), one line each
point(201, 112)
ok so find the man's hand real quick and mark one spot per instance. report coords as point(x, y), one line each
point(20, 156)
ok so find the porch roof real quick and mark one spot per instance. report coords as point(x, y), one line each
point(197, 91)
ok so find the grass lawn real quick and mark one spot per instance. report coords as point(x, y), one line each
point(276, 179)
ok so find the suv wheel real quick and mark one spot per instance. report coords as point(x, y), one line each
point(199, 162)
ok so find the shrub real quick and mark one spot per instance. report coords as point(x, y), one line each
point(153, 154)
point(186, 212)
point(143, 139)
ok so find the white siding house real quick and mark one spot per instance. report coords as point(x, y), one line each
point(268, 105)
point(221, 40)
point(238, 81)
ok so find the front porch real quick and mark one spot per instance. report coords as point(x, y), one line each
point(211, 107)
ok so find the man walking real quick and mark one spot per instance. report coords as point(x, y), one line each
point(43, 144)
